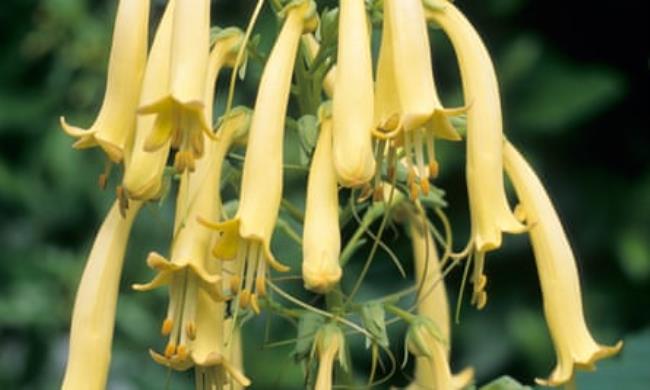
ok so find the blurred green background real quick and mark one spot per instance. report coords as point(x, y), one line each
point(574, 79)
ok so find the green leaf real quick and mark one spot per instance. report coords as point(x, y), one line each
point(374, 320)
point(308, 325)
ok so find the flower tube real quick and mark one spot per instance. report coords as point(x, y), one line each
point(409, 112)
point(490, 213)
point(558, 275)
point(247, 237)
point(115, 122)
point(144, 170)
point(182, 105)
point(352, 107)
point(188, 273)
point(432, 371)
point(329, 345)
point(321, 242)
point(93, 316)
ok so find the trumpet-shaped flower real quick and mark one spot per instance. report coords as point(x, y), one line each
point(247, 237)
point(115, 122)
point(93, 316)
point(144, 170)
point(558, 275)
point(188, 274)
point(181, 107)
point(432, 369)
point(329, 345)
point(352, 107)
point(408, 110)
point(321, 241)
point(490, 213)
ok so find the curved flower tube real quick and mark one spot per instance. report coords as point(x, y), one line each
point(409, 113)
point(329, 345)
point(144, 171)
point(93, 316)
point(352, 106)
point(182, 105)
point(432, 371)
point(115, 122)
point(247, 237)
point(558, 275)
point(321, 242)
point(490, 213)
point(188, 274)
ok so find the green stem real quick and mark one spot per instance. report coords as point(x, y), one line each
point(405, 315)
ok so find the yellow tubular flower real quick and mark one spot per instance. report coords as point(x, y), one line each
point(247, 237)
point(329, 344)
point(188, 274)
point(115, 122)
point(490, 213)
point(143, 175)
point(558, 275)
point(433, 372)
point(321, 242)
point(408, 110)
point(352, 107)
point(181, 107)
point(93, 317)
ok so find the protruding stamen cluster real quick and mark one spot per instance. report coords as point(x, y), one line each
point(252, 283)
point(180, 324)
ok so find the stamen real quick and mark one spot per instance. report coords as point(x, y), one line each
point(189, 307)
point(170, 349)
point(244, 298)
point(431, 154)
point(252, 260)
point(190, 330)
point(167, 325)
point(255, 305)
point(419, 154)
point(181, 352)
point(260, 280)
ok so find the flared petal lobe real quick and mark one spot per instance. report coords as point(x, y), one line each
point(321, 236)
point(115, 122)
point(353, 98)
point(558, 275)
point(93, 316)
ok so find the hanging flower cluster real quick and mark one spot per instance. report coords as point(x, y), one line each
point(373, 144)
